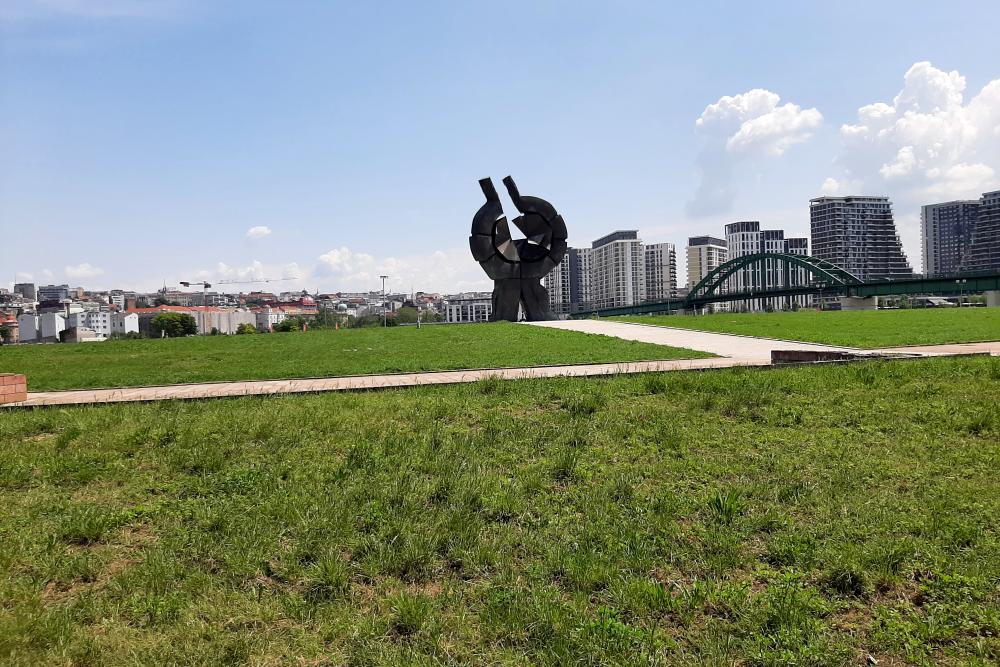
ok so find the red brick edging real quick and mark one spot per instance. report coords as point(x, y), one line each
point(13, 388)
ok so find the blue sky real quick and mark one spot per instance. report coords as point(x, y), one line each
point(163, 140)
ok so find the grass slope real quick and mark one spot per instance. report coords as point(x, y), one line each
point(860, 328)
point(316, 354)
point(811, 516)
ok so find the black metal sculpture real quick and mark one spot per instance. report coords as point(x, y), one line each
point(518, 266)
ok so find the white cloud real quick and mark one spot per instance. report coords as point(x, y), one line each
point(258, 232)
point(927, 145)
point(928, 142)
point(754, 122)
point(253, 271)
point(84, 270)
point(748, 126)
point(442, 270)
point(23, 277)
point(48, 274)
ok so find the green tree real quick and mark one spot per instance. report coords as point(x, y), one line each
point(245, 329)
point(406, 315)
point(294, 323)
point(5, 335)
point(174, 325)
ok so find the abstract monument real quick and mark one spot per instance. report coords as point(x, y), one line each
point(518, 266)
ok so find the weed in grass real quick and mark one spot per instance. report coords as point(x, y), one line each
point(410, 612)
point(791, 550)
point(794, 491)
point(327, 579)
point(725, 506)
point(584, 403)
point(87, 524)
point(845, 579)
point(655, 384)
point(64, 439)
point(493, 385)
point(564, 469)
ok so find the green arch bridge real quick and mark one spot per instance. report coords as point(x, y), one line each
point(824, 279)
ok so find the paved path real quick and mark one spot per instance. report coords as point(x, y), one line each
point(732, 350)
point(989, 347)
point(309, 385)
point(745, 348)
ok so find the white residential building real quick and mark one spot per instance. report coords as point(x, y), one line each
point(661, 271)
point(618, 270)
point(557, 282)
point(569, 284)
point(50, 325)
point(267, 317)
point(747, 238)
point(124, 323)
point(98, 321)
point(704, 255)
point(469, 309)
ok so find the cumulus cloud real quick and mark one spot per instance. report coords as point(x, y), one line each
point(258, 232)
point(751, 125)
point(927, 145)
point(928, 142)
point(84, 270)
point(253, 271)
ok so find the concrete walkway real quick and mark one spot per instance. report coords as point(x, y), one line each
point(311, 385)
point(745, 348)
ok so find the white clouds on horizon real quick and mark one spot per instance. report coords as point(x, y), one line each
point(747, 126)
point(83, 270)
point(258, 232)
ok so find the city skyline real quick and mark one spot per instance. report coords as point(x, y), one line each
point(154, 142)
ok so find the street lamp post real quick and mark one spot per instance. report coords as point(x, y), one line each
point(385, 315)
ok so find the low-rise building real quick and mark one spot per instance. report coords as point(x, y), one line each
point(469, 309)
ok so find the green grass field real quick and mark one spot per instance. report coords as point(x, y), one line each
point(807, 516)
point(859, 328)
point(315, 354)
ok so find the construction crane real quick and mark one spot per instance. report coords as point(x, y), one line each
point(248, 282)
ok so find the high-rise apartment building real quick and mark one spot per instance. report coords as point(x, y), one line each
point(984, 249)
point(569, 283)
point(946, 231)
point(704, 255)
point(858, 234)
point(747, 238)
point(661, 271)
point(557, 282)
point(618, 270)
point(581, 294)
